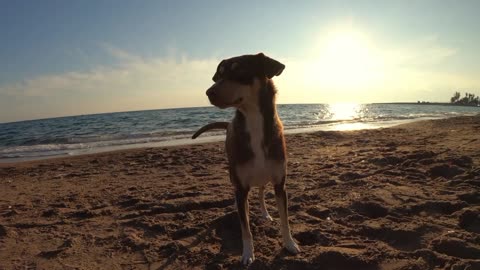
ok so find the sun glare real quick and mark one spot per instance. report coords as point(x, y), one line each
point(346, 59)
point(345, 111)
point(348, 116)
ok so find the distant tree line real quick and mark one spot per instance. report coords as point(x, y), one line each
point(468, 99)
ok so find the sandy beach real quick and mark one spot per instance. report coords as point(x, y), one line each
point(405, 197)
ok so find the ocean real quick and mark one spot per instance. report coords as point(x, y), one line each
point(75, 135)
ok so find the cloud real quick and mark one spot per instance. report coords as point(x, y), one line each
point(135, 83)
point(120, 54)
point(133, 74)
point(426, 51)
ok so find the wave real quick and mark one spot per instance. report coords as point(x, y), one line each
point(74, 135)
point(82, 144)
point(102, 138)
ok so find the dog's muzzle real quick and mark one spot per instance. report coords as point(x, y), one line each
point(215, 99)
point(212, 95)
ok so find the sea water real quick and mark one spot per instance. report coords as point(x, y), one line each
point(82, 134)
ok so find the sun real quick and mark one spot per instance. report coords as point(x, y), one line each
point(346, 59)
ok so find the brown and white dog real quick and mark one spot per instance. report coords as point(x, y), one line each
point(255, 143)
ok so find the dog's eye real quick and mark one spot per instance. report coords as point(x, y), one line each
point(243, 77)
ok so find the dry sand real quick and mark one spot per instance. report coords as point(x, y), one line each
point(398, 198)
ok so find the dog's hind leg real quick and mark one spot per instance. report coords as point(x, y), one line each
point(241, 195)
point(263, 208)
point(281, 198)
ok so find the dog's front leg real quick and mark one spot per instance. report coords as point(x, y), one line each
point(282, 201)
point(241, 195)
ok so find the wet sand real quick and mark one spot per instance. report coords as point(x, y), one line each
point(406, 197)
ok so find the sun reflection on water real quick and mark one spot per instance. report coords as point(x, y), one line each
point(346, 111)
point(348, 116)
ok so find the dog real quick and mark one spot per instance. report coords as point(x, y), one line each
point(255, 143)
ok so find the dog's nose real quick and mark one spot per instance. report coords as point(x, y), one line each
point(210, 93)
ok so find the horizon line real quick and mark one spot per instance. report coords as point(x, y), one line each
point(178, 108)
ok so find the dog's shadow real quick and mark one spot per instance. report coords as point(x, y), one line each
point(227, 229)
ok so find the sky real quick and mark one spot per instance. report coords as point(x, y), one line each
point(60, 58)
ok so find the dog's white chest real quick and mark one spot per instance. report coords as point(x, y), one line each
point(255, 172)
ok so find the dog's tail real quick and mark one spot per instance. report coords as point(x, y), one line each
point(215, 125)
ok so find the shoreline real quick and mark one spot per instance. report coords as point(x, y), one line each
point(337, 126)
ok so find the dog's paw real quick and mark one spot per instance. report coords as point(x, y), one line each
point(292, 247)
point(247, 254)
point(247, 258)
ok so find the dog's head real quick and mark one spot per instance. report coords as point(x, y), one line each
point(238, 79)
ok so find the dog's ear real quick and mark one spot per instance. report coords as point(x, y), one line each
point(219, 72)
point(271, 67)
